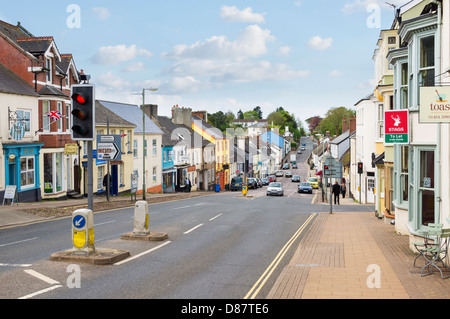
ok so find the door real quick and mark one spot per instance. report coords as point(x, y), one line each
point(68, 174)
point(115, 180)
point(370, 190)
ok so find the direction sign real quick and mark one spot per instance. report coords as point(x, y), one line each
point(109, 147)
point(79, 221)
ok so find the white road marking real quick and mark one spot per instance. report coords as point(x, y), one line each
point(40, 292)
point(41, 277)
point(192, 229)
point(180, 207)
point(112, 221)
point(142, 254)
point(15, 265)
point(18, 242)
point(215, 217)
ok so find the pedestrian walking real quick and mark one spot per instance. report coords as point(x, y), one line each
point(336, 192)
point(189, 185)
point(107, 178)
point(343, 190)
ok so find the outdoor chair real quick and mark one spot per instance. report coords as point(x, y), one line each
point(436, 254)
point(430, 236)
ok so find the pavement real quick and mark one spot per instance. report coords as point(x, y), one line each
point(344, 255)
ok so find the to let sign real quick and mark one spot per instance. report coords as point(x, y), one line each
point(396, 127)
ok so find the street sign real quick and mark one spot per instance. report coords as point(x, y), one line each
point(79, 221)
point(396, 127)
point(335, 167)
point(109, 147)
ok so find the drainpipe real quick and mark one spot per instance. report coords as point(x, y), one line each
point(439, 127)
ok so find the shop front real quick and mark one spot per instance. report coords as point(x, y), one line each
point(22, 170)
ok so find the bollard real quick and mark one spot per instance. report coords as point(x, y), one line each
point(83, 232)
point(141, 219)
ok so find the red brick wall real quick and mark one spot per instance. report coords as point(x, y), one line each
point(16, 60)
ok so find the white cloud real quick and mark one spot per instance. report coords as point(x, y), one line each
point(233, 14)
point(102, 13)
point(318, 43)
point(251, 42)
point(134, 67)
point(285, 50)
point(335, 73)
point(298, 3)
point(113, 55)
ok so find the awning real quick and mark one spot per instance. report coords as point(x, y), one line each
point(319, 173)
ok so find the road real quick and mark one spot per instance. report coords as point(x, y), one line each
point(219, 247)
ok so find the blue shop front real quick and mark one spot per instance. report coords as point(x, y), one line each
point(22, 170)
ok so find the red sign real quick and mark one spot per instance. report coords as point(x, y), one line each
point(396, 127)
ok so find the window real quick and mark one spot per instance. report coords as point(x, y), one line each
point(23, 117)
point(59, 109)
point(27, 172)
point(404, 86)
point(426, 187)
point(45, 118)
point(121, 169)
point(154, 175)
point(392, 40)
point(100, 178)
point(68, 112)
point(135, 148)
point(122, 140)
point(426, 68)
point(154, 149)
point(404, 162)
point(145, 148)
point(53, 173)
point(49, 71)
point(129, 141)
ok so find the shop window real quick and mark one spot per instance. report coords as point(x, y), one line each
point(27, 172)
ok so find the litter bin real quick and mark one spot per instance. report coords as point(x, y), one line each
point(217, 188)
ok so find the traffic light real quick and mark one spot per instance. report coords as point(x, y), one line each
point(360, 167)
point(83, 113)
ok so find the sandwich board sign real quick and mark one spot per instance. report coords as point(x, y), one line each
point(396, 127)
point(10, 193)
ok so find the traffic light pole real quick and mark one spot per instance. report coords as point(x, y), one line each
point(90, 176)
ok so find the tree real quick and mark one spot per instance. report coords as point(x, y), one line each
point(221, 120)
point(240, 115)
point(313, 122)
point(333, 120)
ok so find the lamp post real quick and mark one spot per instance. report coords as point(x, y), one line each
point(144, 189)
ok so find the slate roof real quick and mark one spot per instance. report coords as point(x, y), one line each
point(50, 90)
point(174, 131)
point(133, 114)
point(103, 115)
point(11, 83)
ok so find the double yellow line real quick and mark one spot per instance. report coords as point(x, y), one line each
point(266, 275)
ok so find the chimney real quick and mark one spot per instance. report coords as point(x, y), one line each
point(182, 116)
point(344, 125)
point(151, 110)
point(352, 124)
point(201, 114)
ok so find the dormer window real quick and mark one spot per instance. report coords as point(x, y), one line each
point(48, 65)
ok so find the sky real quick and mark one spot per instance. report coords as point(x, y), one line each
point(306, 56)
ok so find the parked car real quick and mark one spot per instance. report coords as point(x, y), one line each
point(295, 178)
point(288, 174)
point(265, 181)
point(275, 188)
point(252, 183)
point(259, 182)
point(305, 187)
point(279, 174)
point(286, 166)
point(303, 148)
point(314, 182)
point(294, 165)
point(299, 151)
point(236, 183)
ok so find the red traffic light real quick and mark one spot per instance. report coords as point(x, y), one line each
point(79, 98)
point(326, 167)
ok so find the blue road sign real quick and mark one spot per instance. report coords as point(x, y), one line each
point(79, 221)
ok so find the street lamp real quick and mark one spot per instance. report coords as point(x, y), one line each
point(144, 189)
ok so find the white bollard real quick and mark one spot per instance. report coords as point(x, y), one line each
point(83, 231)
point(141, 219)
